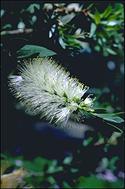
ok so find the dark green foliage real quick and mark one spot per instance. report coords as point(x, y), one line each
point(110, 117)
point(29, 50)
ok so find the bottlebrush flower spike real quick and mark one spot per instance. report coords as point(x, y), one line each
point(44, 88)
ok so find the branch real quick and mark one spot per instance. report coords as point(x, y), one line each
point(66, 11)
point(18, 31)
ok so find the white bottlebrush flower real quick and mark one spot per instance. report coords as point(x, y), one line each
point(44, 88)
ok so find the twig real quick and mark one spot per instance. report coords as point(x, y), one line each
point(18, 31)
point(65, 10)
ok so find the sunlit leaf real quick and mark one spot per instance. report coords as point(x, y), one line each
point(67, 18)
point(92, 30)
point(67, 160)
point(62, 43)
point(97, 17)
point(113, 140)
point(33, 7)
point(110, 51)
point(2, 12)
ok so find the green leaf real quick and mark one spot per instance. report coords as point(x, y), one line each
point(67, 18)
point(92, 30)
point(2, 12)
point(90, 6)
point(97, 17)
point(37, 165)
point(91, 15)
point(51, 180)
point(33, 7)
point(29, 50)
point(97, 48)
point(66, 185)
point(110, 117)
point(62, 43)
point(110, 51)
point(67, 160)
point(113, 140)
point(112, 163)
point(87, 141)
point(7, 26)
point(93, 182)
point(89, 182)
point(107, 12)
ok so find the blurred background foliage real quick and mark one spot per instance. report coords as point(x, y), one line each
point(71, 25)
point(87, 39)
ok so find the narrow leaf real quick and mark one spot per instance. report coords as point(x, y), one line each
point(107, 12)
point(92, 30)
point(110, 51)
point(97, 17)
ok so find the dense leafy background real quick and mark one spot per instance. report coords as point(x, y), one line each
point(87, 39)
